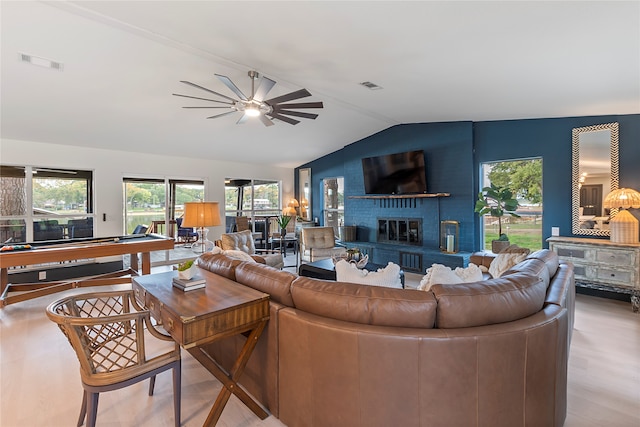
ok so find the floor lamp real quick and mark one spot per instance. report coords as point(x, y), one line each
point(623, 226)
point(201, 215)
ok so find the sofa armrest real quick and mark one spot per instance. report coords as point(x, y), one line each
point(482, 258)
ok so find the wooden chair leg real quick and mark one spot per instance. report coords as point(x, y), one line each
point(177, 381)
point(83, 409)
point(92, 408)
point(152, 384)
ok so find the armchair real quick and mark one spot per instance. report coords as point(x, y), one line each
point(318, 243)
point(243, 241)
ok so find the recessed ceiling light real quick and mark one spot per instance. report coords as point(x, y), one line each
point(41, 62)
point(370, 85)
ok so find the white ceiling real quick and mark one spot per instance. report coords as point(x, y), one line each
point(436, 61)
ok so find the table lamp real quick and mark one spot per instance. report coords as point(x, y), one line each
point(293, 203)
point(201, 215)
point(623, 226)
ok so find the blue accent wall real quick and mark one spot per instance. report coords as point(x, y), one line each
point(454, 152)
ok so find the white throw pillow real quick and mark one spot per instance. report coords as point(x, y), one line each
point(438, 273)
point(388, 277)
point(443, 275)
point(242, 256)
point(503, 262)
point(472, 273)
point(216, 250)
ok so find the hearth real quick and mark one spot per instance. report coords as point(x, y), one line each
point(401, 231)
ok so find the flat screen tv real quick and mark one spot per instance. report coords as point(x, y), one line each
point(400, 173)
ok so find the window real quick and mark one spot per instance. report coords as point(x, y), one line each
point(333, 191)
point(246, 197)
point(45, 204)
point(155, 203)
point(524, 178)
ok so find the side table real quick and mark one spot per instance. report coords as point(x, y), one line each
point(198, 317)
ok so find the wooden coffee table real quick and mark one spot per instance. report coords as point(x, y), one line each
point(198, 317)
point(326, 270)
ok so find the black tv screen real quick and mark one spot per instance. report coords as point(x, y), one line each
point(400, 173)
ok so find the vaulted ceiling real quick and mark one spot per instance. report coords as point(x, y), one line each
point(435, 61)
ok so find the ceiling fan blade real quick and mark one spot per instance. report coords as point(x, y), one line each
point(205, 107)
point(208, 90)
point(299, 105)
point(203, 99)
point(302, 93)
point(265, 86)
point(298, 114)
point(284, 118)
point(227, 81)
point(265, 120)
point(223, 114)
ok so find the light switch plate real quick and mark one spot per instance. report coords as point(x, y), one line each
point(555, 231)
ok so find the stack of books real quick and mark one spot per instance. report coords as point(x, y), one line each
point(190, 284)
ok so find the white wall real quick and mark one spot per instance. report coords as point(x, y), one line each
point(110, 167)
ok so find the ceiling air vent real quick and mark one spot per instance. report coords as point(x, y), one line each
point(371, 85)
point(41, 62)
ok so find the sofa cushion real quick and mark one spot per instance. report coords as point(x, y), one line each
point(508, 298)
point(219, 264)
point(550, 258)
point(388, 277)
point(532, 266)
point(276, 283)
point(369, 305)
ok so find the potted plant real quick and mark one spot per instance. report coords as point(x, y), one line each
point(283, 221)
point(497, 201)
point(186, 270)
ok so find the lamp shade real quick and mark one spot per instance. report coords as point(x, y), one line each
point(624, 198)
point(201, 214)
point(290, 211)
point(293, 203)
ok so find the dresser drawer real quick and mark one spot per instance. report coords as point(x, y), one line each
point(619, 277)
point(616, 257)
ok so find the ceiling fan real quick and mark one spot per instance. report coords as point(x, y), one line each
point(256, 105)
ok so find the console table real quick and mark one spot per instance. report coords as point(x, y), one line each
point(198, 317)
point(601, 264)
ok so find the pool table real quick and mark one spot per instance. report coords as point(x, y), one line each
point(73, 249)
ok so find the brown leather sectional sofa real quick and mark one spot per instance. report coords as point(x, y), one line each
point(491, 353)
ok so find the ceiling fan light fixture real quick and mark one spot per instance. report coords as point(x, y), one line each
point(255, 105)
point(252, 111)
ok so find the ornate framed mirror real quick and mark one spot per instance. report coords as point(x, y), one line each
point(594, 175)
point(304, 193)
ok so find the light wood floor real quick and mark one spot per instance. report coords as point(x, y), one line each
point(40, 383)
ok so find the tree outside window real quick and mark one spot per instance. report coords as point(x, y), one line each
point(524, 179)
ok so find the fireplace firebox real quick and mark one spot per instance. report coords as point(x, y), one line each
point(402, 231)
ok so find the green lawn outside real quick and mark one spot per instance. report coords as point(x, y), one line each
point(525, 235)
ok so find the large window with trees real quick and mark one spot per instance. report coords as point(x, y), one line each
point(45, 204)
point(524, 179)
point(156, 203)
point(254, 198)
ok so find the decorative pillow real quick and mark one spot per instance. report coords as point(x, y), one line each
point(438, 273)
point(443, 275)
point(388, 277)
point(505, 261)
point(472, 273)
point(242, 256)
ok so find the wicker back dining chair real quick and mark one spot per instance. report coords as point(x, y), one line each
point(116, 345)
